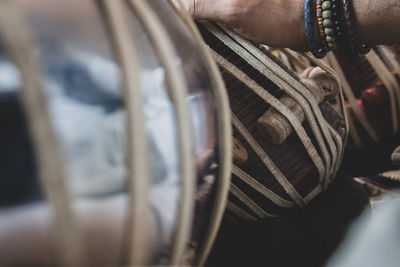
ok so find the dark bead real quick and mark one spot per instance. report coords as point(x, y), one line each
point(319, 14)
point(334, 14)
point(333, 6)
point(336, 22)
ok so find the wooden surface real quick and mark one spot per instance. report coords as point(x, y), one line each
point(290, 157)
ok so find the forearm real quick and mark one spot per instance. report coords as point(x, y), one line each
point(378, 21)
point(281, 22)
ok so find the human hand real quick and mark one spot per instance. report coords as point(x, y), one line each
point(278, 23)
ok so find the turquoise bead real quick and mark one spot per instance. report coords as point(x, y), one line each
point(327, 22)
point(329, 31)
point(327, 14)
point(330, 39)
point(326, 5)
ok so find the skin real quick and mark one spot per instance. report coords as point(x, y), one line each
point(26, 237)
point(256, 19)
point(27, 233)
point(280, 23)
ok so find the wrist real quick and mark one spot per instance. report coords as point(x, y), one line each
point(296, 32)
point(299, 27)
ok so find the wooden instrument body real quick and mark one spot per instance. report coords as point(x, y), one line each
point(372, 94)
point(372, 91)
point(290, 157)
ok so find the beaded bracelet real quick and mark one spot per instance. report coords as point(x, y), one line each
point(338, 25)
point(354, 48)
point(318, 52)
point(332, 28)
point(321, 26)
point(325, 24)
point(328, 24)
